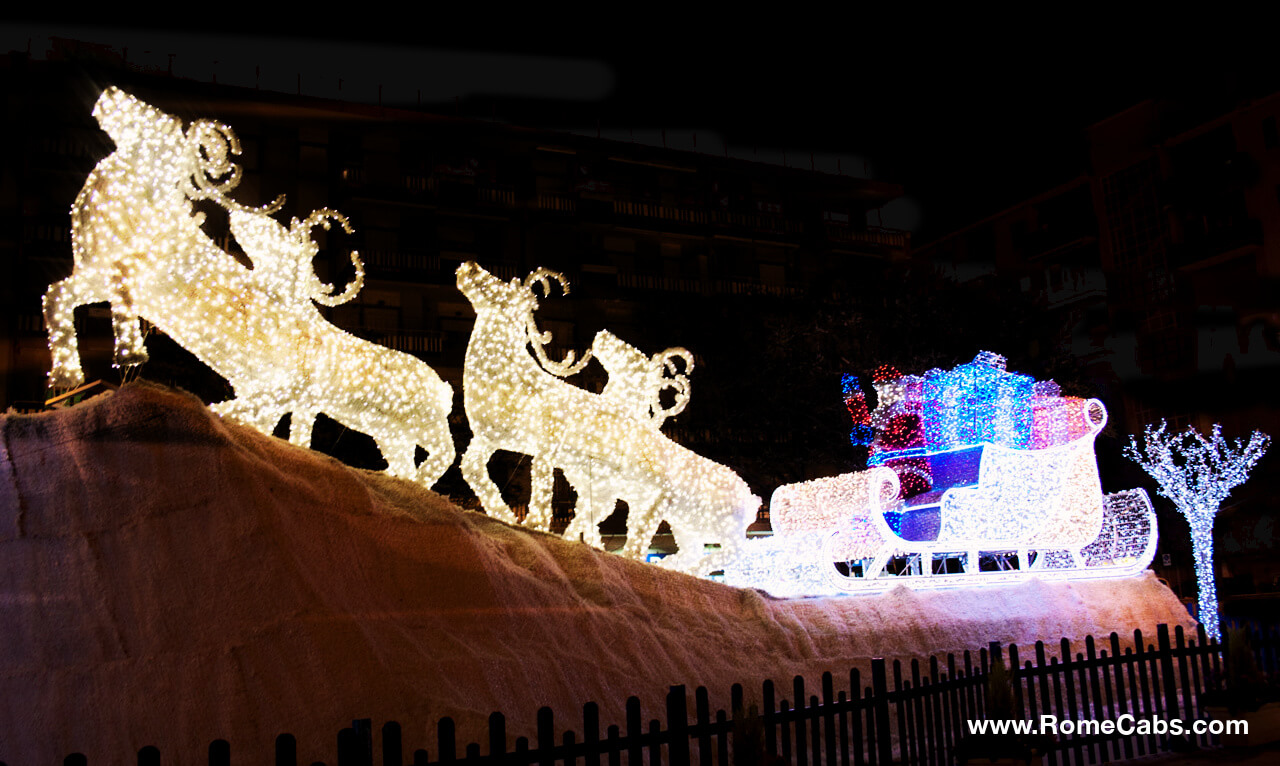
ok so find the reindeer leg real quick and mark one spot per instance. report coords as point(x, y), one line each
point(438, 442)
point(475, 469)
point(399, 454)
point(300, 424)
point(130, 350)
point(642, 524)
point(541, 485)
point(690, 548)
point(60, 302)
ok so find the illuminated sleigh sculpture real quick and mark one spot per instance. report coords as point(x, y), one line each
point(608, 445)
point(979, 509)
point(138, 245)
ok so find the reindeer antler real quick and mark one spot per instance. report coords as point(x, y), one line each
point(324, 294)
point(210, 145)
point(663, 363)
point(538, 339)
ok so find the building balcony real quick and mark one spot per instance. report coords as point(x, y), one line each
point(1211, 243)
point(1074, 288)
point(677, 214)
point(401, 262)
point(652, 282)
point(556, 202)
point(755, 287)
point(872, 235)
point(416, 342)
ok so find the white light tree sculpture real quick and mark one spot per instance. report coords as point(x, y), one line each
point(1198, 474)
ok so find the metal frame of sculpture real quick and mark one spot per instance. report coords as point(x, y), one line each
point(138, 245)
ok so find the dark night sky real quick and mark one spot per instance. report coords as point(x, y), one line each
point(968, 115)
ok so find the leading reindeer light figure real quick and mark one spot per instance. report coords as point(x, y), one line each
point(608, 447)
point(138, 244)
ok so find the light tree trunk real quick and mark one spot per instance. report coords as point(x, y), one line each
point(1202, 549)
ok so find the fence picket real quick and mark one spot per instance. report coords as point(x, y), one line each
point(591, 733)
point(770, 719)
point(801, 746)
point(901, 710)
point(855, 716)
point(828, 721)
point(446, 745)
point(880, 697)
point(677, 727)
point(943, 699)
point(722, 738)
point(635, 754)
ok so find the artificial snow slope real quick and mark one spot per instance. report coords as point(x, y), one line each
point(167, 578)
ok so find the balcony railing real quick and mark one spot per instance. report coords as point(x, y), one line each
point(650, 282)
point(420, 183)
point(679, 214)
point(401, 260)
point(871, 235)
point(415, 342)
point(774, 224)
point(556, 202)
point(751, 287)
point(503, 196)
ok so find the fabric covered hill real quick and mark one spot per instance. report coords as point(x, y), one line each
point(169, 579)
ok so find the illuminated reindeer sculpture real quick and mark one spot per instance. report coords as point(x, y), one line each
point(138, 245)
point(609, 447)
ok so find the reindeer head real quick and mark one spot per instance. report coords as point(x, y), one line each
point(282, 257)
point(516, 301)
point(146, 138)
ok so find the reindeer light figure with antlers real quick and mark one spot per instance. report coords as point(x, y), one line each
point(608, 445)
point(138, 245)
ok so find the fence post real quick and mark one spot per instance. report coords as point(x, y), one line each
point(392, 746)
point(497, 736)
point(1166, 671)
point(634, 732)
point(678, 726)
point(286, 750)
point(363, 741)
point(591, 732)
point(446, 744)
point(880, 703)
point(219, 753)
point(546, 737)
point(149, 756)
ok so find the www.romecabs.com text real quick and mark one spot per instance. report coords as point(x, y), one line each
point(1123, 725)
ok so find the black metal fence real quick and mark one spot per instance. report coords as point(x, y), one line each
point(913, 714)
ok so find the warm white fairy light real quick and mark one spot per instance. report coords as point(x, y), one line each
point(833, 502)
point(608, 447)
point(138, 245)
point(637, 381)
point(1198, 474)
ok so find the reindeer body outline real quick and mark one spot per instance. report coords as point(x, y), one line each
point(604, 447)
point(138, 245)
